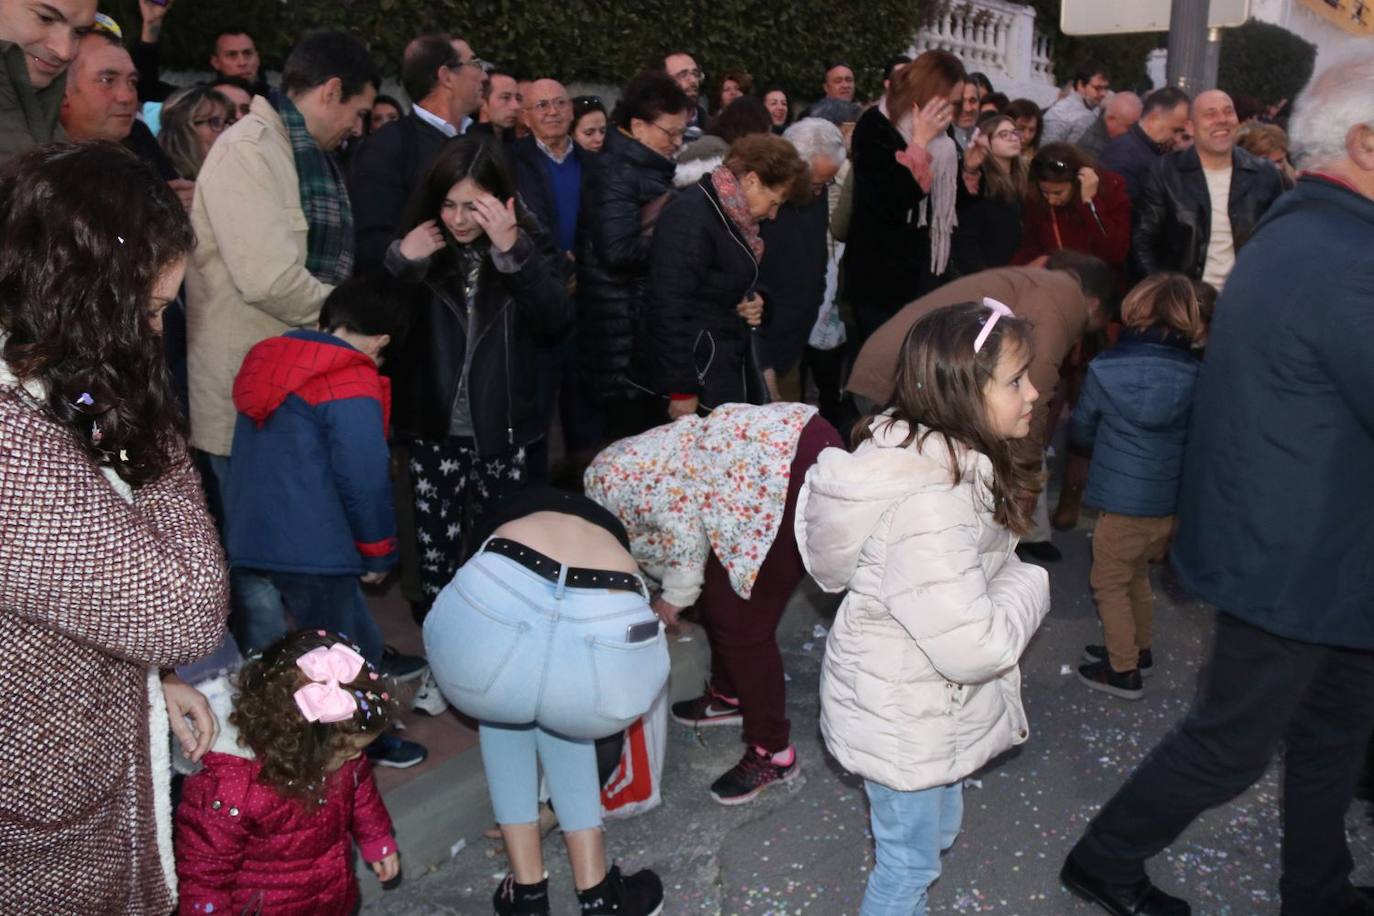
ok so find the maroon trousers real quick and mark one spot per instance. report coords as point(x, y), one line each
point(745, 661)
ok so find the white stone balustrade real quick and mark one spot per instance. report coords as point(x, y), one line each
point(998, 38)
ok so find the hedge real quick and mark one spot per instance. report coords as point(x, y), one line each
point(784, 41)
point(1265, 61)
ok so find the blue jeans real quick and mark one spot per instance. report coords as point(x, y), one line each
point(910, 830)
point(546, 669)
point(257, 616)
point(333, 603)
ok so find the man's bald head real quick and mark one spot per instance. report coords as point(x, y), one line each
point(1215, 126)
point(1121, 112)
point(548, 111)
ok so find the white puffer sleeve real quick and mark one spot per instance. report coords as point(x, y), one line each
point(972, 629)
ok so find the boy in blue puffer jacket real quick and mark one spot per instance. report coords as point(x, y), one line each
point(310, 503)
point(1133, 413)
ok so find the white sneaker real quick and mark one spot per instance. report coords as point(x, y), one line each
point(428, 699)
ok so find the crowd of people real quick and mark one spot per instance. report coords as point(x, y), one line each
point(579, 369)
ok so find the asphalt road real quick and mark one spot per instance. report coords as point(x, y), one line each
point(805, 848)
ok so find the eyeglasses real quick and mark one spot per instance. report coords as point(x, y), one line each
point(216, 124)
point(689, 74)
point(543, 106)
point(820, 187)
point(675, 135)
point(479, 63)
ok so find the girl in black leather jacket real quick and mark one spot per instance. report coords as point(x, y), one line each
point(487, 282)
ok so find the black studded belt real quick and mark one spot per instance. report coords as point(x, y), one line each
point(577, 577)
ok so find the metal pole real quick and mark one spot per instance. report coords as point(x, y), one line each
point(1187, 67)
point(1209, 75)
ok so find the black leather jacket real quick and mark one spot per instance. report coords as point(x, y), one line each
point(1173, 213)
point(613, 259)
point(507, 311)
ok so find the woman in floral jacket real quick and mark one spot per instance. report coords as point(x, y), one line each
point(709, 505)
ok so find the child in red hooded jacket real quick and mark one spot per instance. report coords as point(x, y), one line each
point(268, 825)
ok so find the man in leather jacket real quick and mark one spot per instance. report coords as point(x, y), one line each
point(1197, 207)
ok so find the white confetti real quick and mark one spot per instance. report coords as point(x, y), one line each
point(819, 631)
point(1066, 669)
point(457, 848)
point(808, 646)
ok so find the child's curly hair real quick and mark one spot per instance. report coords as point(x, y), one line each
point(296, 753)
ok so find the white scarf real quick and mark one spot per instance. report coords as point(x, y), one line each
point(944, 192)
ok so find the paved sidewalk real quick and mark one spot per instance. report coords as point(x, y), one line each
point(805, 848)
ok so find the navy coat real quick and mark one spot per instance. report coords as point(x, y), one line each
point(1276, 511)
point(1133, 413)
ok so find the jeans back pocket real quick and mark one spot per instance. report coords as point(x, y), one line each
point(627, 676)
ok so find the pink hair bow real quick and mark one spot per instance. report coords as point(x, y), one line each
point(324, 700)
point(998, 311)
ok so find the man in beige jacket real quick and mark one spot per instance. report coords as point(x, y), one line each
point(273, 237)
point(249, 279)
point(1062, 301)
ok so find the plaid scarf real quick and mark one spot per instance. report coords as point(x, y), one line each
point(329, 253)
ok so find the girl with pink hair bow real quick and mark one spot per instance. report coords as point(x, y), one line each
point(269, 823)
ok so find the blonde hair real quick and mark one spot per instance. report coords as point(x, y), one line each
point(1169, 300)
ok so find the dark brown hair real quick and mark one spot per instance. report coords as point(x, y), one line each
point(295, 753)
point(86, 231)
point(740, 78)
point(774, 160)
point(940, 383)
point(933, 73)
point(1058, 162)
point(1025, 108)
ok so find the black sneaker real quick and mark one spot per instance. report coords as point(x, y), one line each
point(513, 899)
point(755, 772)
point(400, 667)
point(1100, 676)
point(1146, 659)
point(706, 710)
point(640, 894)
point(1040, 552)
point(397, 753)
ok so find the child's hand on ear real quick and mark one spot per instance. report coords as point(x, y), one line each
point(387, 869)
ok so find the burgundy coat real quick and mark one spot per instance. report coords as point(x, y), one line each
point(1077, 229)
point(243, 848)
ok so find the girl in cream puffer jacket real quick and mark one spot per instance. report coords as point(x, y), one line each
point(920, 685)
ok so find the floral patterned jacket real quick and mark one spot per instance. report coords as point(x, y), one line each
point(697, 486)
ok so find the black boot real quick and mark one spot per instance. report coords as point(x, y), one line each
point(640, 894)
point(1136, 898)
point(513, 899)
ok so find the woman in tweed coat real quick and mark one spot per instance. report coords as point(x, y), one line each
point(109, 564)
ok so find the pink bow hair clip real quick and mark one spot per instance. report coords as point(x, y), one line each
point(998, 311)
point(324, 700)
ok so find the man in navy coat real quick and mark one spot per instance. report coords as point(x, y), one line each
point(1276, 529)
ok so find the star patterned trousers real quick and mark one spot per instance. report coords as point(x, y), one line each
point(453, 486)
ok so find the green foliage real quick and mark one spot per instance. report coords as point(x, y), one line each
point(1122, 55)
point(783, 41)
point(1265, 61)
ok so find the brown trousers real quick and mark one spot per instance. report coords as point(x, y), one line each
point(1123, 546)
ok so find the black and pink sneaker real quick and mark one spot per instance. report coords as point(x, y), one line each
point(756, 771)
point(706, 710)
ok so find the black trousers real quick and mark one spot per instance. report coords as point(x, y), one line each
point(1256, 691)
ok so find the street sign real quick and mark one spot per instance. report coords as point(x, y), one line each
point(1113, 17)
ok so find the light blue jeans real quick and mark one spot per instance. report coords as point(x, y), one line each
point(910, 830)
point(546, 670)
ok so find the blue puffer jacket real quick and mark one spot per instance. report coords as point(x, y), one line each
point(1133, 412)
point(309, 486)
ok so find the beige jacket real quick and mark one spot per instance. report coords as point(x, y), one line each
point(1051, 300)
point(920, 685)
point(247, 280)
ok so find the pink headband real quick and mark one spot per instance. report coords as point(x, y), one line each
point(998, 310)
point(324, 700)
